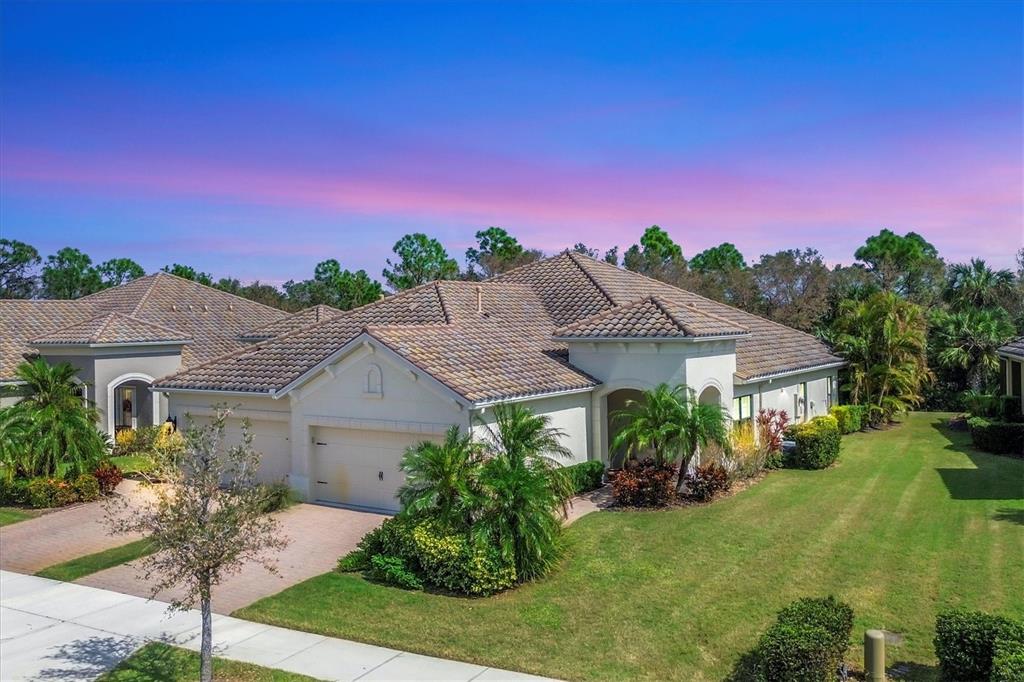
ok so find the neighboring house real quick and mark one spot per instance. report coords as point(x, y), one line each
point(335, 398)
point(123, 339)
point(1011, 365)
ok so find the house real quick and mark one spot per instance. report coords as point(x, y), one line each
point(124, 338)
point(1011, 363)
point(335, 398)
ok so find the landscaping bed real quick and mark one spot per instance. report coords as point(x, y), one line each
point(913, 522)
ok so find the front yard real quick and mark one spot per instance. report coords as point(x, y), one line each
point(909, 521)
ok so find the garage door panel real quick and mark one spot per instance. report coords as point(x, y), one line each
point(271, 439)
point(359, 467)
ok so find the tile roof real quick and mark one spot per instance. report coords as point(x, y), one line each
point(111, 328)
point(1014, 348)
point(213, 319)
point(303, 318)
point(495, 339)
point(650, 318)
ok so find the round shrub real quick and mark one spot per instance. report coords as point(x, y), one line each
point(817, 443)
point(644, 484)
point(108, 476)
point(1008, 661)
point(13, 491)
point(706, 481)
point(849, 418)
point(965, 642)
point(42, 493)
point(795, 653)
point(86, 488)
point(828, 613)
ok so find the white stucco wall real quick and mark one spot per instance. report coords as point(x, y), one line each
point(779, 393)
point(569, 413)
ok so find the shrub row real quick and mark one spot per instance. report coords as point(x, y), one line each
point(849, 418)
point(644, 484)
point(806, 643)
point(972, 645)
point(42, 492)
point(414, 553)
point(817, 443)
point(585, 476)
point(1001, 438)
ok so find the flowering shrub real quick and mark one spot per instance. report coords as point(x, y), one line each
point(706, 481)
point(168, 439)
point(645, 484)
point(771, 425)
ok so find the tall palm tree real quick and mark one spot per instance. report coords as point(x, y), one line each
point(884, 341)
point(652, 423)
point(969, 340)
point(441, 478)
point(52, 431)
point(521, 489)
point(975, 285)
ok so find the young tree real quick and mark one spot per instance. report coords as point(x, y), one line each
point(205, 522)
point(496, 252)
point(18, 262)
point(421, 260)
point(117, 271)
point(70, 274)
point(189, 272)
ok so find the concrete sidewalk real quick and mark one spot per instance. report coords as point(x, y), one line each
point(55, 630)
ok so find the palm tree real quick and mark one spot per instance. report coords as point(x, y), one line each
point(883, 339)
point(441, 478)
point(969, 340)
point(652, 423)
point(975, 285)
point(522, 489)
point(52, 431)
point(701, 425)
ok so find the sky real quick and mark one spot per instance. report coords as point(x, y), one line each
point(255, 140)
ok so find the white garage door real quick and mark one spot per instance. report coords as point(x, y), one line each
point(360, 468)
point(269, 438)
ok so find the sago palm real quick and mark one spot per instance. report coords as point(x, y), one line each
point(522, 490)
point(652, 423)
point(441, 478)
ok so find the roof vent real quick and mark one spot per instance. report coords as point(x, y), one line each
point(174, 307)
point(206, 308)
point(231, 306)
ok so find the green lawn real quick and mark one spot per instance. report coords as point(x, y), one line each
point(9, 515)
point(158, 662)
point(132, 464)
point(910, 520)
point(91, 563)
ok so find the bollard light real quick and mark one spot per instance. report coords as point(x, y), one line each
point(874, 655)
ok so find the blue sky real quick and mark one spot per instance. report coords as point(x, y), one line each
point(254, 140)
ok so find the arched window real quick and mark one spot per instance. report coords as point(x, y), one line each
point(374, 382)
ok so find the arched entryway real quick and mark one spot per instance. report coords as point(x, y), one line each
point(617, 402)
point(130, 403)
point(711, 395)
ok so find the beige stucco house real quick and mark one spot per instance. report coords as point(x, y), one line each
point(334, 399)
point(1011, 366)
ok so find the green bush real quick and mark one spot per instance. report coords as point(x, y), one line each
point(1001, 438)
point(13, 491)
point(1008, 661)
point(43, 493)
point(585, 476)
point(965, 642)
point(276, 496)
point(392, 570)
point(86, 487)
point(437, 555)
point(807, 642)
point(850, 418)
point(817, 443)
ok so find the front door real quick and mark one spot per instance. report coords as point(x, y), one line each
point(126, 406)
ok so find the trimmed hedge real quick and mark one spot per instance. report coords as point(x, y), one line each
point(1008, 661)
point(966, 644)
point(585, 476)
point(849, 418)
point(1001, 438)
point(806, 643)
point(817, 443)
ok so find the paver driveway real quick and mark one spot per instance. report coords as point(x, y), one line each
point(59, 536)
point(318, 536)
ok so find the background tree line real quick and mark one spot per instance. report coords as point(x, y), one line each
point(945, 321)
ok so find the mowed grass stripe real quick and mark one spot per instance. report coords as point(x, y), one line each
point(683, 594)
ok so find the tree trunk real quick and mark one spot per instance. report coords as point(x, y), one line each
point(206, 650)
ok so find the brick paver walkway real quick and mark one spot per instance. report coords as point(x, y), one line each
point(58, 536)
point(318, 536)
point(584, 504)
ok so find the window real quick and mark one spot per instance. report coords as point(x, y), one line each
point(830, 393)
point(742, 408)
point(374, 382)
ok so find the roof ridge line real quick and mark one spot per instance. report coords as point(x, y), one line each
point(593, 280)
point(145, 296)
point(665, 311)
point(440, 299)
